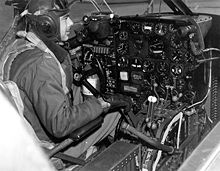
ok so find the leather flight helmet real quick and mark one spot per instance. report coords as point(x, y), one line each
point(45, 14)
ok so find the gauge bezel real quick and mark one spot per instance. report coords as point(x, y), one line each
point(123, 35)
point(160, 31)
point(124, 49)
point(147, 24)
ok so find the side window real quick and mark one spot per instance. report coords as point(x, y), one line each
point(6, 18)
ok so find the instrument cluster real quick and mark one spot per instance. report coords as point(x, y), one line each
point(153, 60)
point(146, 56)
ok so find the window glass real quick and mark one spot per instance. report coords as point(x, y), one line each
point(120, 7)
point(6, 18)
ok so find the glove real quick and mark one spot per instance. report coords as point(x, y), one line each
point(118, 101)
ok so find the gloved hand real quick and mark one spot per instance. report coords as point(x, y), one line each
point(118, 101)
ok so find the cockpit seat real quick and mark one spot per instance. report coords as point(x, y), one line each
point(10, 89)
point(19, 149)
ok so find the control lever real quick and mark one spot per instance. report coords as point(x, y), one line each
point(149, 119)
point(81, 79)
point(155, 144)
point(129, 116)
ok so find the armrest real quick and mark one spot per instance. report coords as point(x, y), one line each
point(78, 135)
point(87, 129)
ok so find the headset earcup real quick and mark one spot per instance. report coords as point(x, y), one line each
point(47, 26)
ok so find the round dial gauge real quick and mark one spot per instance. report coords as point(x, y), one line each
point(162, 67)
point(122, 48)
point(123, 35)
point(135, 27)
point(147, 28)
point(156, 45)
point(177, 56)
point(177, 70)
point(175, 41)
point(171, 28)
point(148, 66)
point(161, 29)
point(136, 62)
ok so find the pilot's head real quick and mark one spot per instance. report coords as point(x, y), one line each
point(49, 18)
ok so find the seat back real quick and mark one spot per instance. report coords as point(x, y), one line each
point(13, 93)
point(19, 150)
point(6, 44)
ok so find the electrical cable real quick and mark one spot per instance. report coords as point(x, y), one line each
point(179, 131)
point(208, 60)
point(166, 132)
point(211, 49)
point(208, 91)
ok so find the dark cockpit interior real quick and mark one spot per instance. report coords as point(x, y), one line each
point(167, 63)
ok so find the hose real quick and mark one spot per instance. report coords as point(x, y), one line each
point(148, 140)
point(214, 100)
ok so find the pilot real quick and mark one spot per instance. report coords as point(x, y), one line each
point(42, 70)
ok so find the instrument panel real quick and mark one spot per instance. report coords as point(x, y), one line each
point(145, 57)
point(153, 59)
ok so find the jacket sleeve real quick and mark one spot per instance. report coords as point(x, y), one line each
point(42, 82)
